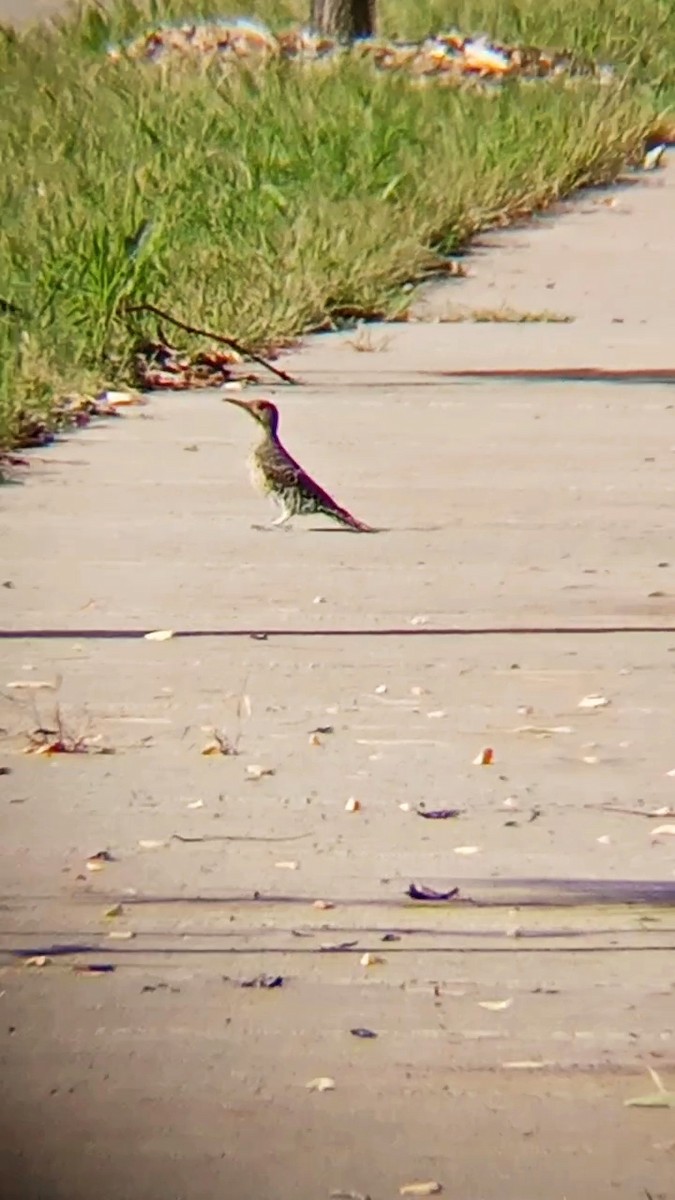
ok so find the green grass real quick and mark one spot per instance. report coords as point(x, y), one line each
point(258, 203)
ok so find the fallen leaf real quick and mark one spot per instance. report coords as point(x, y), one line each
point(437, 814)
point(159, 635)
point(115, 911)
point(593, 701)
point(195, 804)
point(287, 866)
point(359, 1032)
point(426, 893)
point(371, 960)
point(430, 1188)
point(467, 849)
point(257, 772)
point(212, 747)
point(495, 1005)
point(219, 743)
point(96, 862)
point(353, 805)
point(663, 831)
point(323, 904)
point(38, 960)
point(121, 935)
point(485, 758)
point(322, 1084)
point(33, 685)
point(381, 689)
point(315, 740)
point(151, 844)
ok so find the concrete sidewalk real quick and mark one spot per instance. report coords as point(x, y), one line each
point(509, 1032)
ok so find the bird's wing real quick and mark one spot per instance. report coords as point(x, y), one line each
point(288, 473)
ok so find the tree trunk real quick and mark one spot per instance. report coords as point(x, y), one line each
point(344, 19)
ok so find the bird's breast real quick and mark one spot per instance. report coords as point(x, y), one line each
point(259, 476)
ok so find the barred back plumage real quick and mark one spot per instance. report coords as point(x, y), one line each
point(276, 473)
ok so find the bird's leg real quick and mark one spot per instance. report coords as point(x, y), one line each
point(281, 520)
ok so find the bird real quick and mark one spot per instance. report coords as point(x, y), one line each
point(278, 475)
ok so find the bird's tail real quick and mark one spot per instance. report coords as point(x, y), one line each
point(348, 521)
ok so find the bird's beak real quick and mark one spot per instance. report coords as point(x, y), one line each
point(239, 403)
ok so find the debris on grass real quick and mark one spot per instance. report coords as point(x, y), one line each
point(161, 365)
point(451, 56)
point(323, 1083)
point(421, 892)
point(661, 1098)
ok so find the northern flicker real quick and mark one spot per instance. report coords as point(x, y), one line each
point(279, 476)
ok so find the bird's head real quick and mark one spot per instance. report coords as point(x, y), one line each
point(262, 411)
